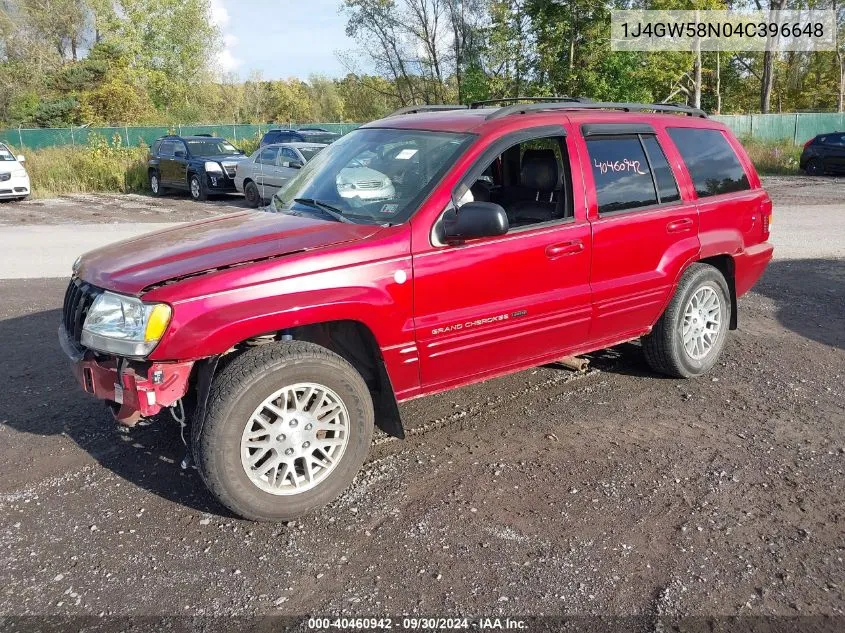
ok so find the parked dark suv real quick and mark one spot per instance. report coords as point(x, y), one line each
point(282, 136)
point(824, 154)
point(202, 165)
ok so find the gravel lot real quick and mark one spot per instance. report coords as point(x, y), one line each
point(613, 492)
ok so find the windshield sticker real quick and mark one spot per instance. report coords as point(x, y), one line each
point(390, 209)
point(405, 154)
point(624, 165)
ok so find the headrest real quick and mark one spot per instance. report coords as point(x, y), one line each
point(539, 170)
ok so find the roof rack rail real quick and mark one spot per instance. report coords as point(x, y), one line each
point(596, 105)
point(480, 104)
point(438, 107)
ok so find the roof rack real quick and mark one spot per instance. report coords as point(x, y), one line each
point(481, 104)
point(438, 107)
point(596, 105)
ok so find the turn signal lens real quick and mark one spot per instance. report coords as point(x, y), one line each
point(157, 323)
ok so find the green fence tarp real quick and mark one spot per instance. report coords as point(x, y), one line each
point(795, 128)
point(39, 138)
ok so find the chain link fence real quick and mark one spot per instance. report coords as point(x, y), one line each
point(795, 128)
point(40, 138)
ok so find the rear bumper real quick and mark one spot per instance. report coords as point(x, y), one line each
point(136, 389)
point(750, 266)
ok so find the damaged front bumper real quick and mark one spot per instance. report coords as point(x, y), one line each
point(133, 389)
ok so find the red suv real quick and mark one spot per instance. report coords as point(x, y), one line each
point(421, 252)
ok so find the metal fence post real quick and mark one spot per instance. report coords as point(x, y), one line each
point(20, 136)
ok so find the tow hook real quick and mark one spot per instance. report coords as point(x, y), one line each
point(124, 415)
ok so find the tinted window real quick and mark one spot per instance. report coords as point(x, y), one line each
point(620, 171)
point(711, 161)
point(667, 188)
point(268, 156)
point(166, 148)
point(287, 155)
point(309, 152)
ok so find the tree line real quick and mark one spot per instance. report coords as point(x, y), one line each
point(150, 62)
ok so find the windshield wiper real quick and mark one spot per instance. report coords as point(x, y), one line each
point(329, 210)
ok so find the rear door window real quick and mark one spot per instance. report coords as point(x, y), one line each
point(711, 161)
point(621, 173)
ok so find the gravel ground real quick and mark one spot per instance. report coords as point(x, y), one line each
point(612, 492)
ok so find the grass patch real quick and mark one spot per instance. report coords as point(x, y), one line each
point(102, 166)
point(773, 158)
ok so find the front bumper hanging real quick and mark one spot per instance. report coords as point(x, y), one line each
point(134, 389)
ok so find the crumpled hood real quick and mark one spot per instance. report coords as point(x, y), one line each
point(132, 265)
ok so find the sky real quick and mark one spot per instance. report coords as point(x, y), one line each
point(281, 38)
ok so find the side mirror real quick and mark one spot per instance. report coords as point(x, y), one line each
point(20, 158)
point(295, 164)
point(474, 220)
point(180, 153)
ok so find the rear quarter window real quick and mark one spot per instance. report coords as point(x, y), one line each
point(712, 163)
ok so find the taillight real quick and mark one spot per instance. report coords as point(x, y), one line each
point(766, 217)
point(808, 143)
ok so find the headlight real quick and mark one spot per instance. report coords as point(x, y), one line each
point(125, 326)
point(211, 166)
point(345, 186)
point(19, 173)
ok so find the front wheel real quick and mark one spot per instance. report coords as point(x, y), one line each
point(198, 191)
point(286, 429)
point(689, 337)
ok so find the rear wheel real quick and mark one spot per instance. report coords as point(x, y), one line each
point(689, 337)
point(252, 195)
point(814, 167)
point(155, 183)
point(287, 427)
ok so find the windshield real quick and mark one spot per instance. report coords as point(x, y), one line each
point(212, 147)
point(373, 176)
point(309, 152)
point(6, 154)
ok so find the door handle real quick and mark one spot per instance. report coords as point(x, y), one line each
point(679, 226)
point(566, 248)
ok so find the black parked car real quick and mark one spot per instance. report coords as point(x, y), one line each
point(824, 154)
point(282, 136)
point(202, 165)
point(302, 135)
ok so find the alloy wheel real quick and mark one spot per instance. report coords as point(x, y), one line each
point(702, 322)
point(295, 439)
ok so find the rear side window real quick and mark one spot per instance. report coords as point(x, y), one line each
point(711, 161)
point(623, 174)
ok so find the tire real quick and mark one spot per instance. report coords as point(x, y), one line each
point(252, 195)
point(155, 183)
point(239, 393)
point(814, 167)
point(197, 189)
point(664, 348)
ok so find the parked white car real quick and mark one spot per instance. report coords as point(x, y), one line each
point(14, 181)
point(270, 168)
